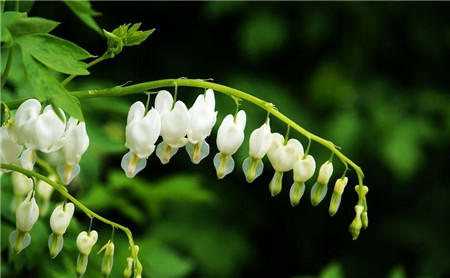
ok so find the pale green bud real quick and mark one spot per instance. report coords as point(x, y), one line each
point(296, 192)
point(365, 220)
point(82, 262)
point(129, 268)
point(276, 183)
point(356, 225)
point(108, 258)
point(337, 195)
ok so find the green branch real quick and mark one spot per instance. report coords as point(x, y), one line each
point(198, 83)
point(61, 189)
point(96, 61)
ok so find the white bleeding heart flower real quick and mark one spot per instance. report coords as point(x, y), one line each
point(174, 125)
point(60, 218)
point(202, 118)
point(59, 222)
point(22, 185)
point(142, 131)
point(229, 138)
point(282, 155)
point(76, 142)
point(38, 131)
point(259, 144)
point(85, 242)
point(27, 214)
point(9, 149)
point(303, 170)
point(319, 189)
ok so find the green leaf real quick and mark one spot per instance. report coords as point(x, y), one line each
point(82, 7)
point(8, 18)
point(83, 11)
point(137, 37)
point(56, 53)
point(45, 86)
point(31, 25)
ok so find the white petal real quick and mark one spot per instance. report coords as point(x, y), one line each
point(60, 218)
point(76, 143)
point(260, 141)
point(229, 136)
point(136, 112)
point(325, 172)
point(241, 119)
point(175, 124)
point(163, 102)
point(47, 130)
point(142, 134)
point(282, 157)
point(9, 150)
point(304, 169)
point(24, 119)
point(27, 214)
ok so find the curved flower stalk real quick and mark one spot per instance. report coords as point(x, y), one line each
point(202, 118)
point(174, 125)
point(27, 214)
point(38, 131)
point(229, 138)
point(22, 185)
point(76, 142)
point(59, 221)
point(85, 242)
point(319, 189)
point(282, 155)
point(44, 191)
point(9, 150)
point(142, 131)
point(259, 145)
point(303, 170)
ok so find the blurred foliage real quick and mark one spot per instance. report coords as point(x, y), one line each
point(372, 77)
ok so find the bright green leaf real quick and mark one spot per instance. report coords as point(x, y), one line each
point(83, 11)
point(6, 37)
point(8, 17)
point(56, 53)
point(45, 86)
point(31, 25)
point(138, 37)
point(82, 7)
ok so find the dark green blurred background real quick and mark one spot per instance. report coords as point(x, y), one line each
point(371, 77)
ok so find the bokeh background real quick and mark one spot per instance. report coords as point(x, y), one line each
point(372, 77)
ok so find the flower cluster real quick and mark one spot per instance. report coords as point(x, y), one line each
point(182, 127)
point(42, 129)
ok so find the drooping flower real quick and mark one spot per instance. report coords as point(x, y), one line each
point(319, 189)
point(259, 145)
point(202, 118)
point(282, 155)
point(229, 138)
point(44, 191)
point(142, 131)
point(76, 143)
point(9, 150)
point(38, 131)
point(303, 170)
point(59, 221)
point(27, 214)
point(22, 185)
point(174, 125)
point(85, 242)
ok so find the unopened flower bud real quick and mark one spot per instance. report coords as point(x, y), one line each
point(325, 172)
point(129, 268)
point(319, 189)
point(296, 192)
point(355, 226)
point(108, 258)
point(365, 220)
point(337, 195)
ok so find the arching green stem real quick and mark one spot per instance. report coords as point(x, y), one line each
point(61, 189)
point(198, 83)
